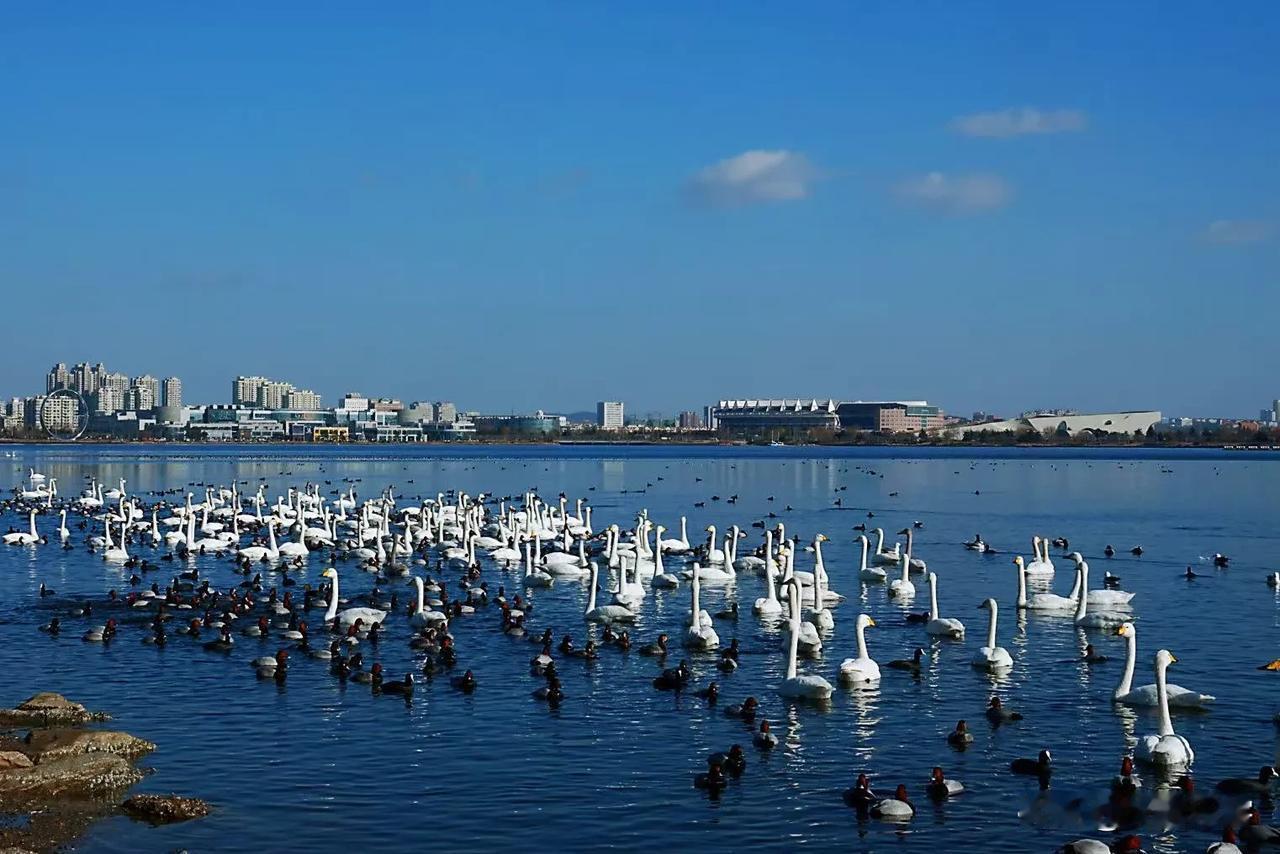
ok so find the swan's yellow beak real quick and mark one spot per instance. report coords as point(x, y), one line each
point(870, 622)
point(1173, 658)
point(1120, 630)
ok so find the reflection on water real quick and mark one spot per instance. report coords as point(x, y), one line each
point(315, 761)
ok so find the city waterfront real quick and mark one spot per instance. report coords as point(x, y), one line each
point(320, 763)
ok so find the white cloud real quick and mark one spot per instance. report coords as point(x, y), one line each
point(1020, 122)
point(956, 194)
point(754, 176)
point(1237, 231)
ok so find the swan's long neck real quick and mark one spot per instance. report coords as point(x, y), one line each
point(910, 541)
point(1162, 699)
point(694, 621)
point(417, 582)
point(906, 569)
point(1075, 588)
point(684, 532)
point(933, 597)
point(1082, 582)
point(591, 600)
point(862, 640)
point(793, 650)
point(271, 538)
point(333, 600)
point(106, 526)
point(1131, 657)
point(770, 567)
point(1022, 585)
point(528, 560)
point(879, 540)
point(991, 627)
point(657, 560)
point(863, 567)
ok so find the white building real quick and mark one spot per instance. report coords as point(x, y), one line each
point(1070, 423)
point(609, 415)
point(301, 398)
point(171, 391)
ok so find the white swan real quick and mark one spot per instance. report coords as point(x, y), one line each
point(1043, 601)
point(349, 615)
point(917, 565)
point(1101, 598)
point(869, 573)
point(1042, 566)
point(808, 686)
point(421, 616)
point(662, 578)
point(902, 588)
point(297, 548)
point(886, 557)
point(24, 538)
point(1148, 695)
point(1166, 749)
point(821, 615)
point(722, 571)
point(700, 634)
point(1097, 619)
point(768, 605)
point(992, 657)
point(941, 626)
point(674, 546)
point(533, 576)
point(854, 671)
point(113, 553)
point(604, 614)
point(270, 551)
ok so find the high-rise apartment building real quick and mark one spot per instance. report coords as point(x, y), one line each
point(171, 391)
point(444, 412)
point(140, 396)
point(609, 415)
point(244, 390)
point(86, 379)
point(271, 394)
point(301, 398)
point(690, 420)
point(58, 377)
point(110, 398)
point(152, 385)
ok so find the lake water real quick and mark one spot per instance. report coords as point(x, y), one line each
point(319, 765)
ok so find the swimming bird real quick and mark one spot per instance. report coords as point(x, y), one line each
point(1166, 749)
point(859, 795)
point(349, 615)
point(1260, 785)
point(1123, 845)
point(1148, 695)
point(960, 736)
point(862, 669)
point(897, 808)
point(940, 788)
point(992, 657)
point(998, 714)
point(764, 739)
point(800, 686)
point(941, 626)
point(1041, 766)
point(912, 664)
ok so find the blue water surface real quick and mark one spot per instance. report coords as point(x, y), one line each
point(318, 765)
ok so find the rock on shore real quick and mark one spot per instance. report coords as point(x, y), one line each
point(165, 809)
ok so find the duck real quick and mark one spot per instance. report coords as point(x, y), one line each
point(1148, 695)
point(673, 678)
point(711, 694)
point(466, 683)
point(912, 664)
point(1166, 749)
point(657, 648)
point(1254, 833)
point(1228, 845)
point(992, 658)
point(940, 788)
point(714, 779)
point(948, 627)
point(897, 808)
point(960, 736)
point(862, 669)
point(1260, 785)
point(998, 714)
point(1123, 845)
point(859, 795)
point(746, 710)
point(764, 739)
point(404, 688)
point(1041, 766)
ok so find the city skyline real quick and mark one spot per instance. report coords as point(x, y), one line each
point(985, 207)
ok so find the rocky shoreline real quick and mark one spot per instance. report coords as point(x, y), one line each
point(57, 777)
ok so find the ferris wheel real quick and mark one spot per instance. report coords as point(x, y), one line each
point(64, 415)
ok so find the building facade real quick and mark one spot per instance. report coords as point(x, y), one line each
point(301, 398)
point(610, 415)
point(171, 392)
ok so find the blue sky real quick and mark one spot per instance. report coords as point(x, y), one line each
point(540, 205)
